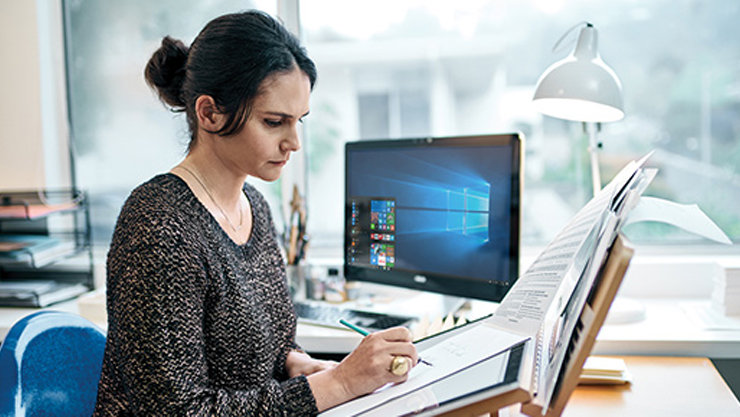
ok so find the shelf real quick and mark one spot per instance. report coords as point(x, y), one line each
point(39, 231)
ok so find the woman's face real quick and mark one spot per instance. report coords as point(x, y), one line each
point(263, 146)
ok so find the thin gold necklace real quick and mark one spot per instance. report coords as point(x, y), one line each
point(218, 206)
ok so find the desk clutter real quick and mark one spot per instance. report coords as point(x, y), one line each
point(324, 314)
point(295, 239)
point(427, 327)
point(321, 297)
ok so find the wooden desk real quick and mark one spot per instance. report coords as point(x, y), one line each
point(662, 386)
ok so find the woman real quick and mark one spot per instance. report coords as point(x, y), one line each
point(199, 317)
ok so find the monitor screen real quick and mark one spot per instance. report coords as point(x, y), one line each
point(434, 214)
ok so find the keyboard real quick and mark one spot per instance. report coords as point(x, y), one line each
point(328, 315)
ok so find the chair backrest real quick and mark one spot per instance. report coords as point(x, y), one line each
point(50, 364)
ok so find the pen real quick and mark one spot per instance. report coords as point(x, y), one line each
point(358, 329)
point(364, 332)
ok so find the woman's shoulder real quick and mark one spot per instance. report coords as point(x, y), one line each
point(164, 196)
point(158, 193)
point(157, 211)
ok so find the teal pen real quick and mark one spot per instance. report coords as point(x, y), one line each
point(364, 332)
point(358, 329)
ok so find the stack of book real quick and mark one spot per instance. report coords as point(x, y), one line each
point(726, 293)
point(32, 250)
point(37, 293)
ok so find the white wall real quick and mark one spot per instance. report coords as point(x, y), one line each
point(33, 121)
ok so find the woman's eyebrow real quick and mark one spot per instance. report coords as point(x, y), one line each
point(285, 115)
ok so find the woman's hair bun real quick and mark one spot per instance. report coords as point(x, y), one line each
point(165, 72)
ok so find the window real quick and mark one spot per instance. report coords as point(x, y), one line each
point(121, 133)
point(440, 68)
point(435, 68)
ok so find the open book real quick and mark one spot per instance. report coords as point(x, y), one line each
point(532, 349)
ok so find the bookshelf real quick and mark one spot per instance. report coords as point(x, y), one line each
point(45, 247)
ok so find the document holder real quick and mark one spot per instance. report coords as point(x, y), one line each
point(474, 390)
point(581, 343)
point(591, 319)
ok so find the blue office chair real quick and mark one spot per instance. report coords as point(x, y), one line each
point(50, 365)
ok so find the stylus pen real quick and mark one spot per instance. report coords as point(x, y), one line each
point(364, 332)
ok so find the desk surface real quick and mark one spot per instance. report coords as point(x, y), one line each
point(670, 386)
point(662, 386)
point(671, 327)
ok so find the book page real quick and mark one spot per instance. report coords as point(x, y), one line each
point(547, 285)
point(553, 275)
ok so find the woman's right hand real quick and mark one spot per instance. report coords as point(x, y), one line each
point(365, 369)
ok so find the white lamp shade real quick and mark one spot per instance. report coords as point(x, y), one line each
point(581, 87)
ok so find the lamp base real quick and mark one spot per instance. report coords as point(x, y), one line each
point(625, 310)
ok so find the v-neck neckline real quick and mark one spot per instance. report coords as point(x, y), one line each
point(215, 222)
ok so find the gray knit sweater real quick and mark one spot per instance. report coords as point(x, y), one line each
point(197, 325)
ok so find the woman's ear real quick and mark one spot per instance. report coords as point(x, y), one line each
point(209, 118)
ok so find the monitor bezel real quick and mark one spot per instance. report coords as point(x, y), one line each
point(426, 280)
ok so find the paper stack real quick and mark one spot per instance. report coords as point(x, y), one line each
point(726, 293)
point(601, 370)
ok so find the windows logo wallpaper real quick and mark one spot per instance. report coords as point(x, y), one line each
point(439, 209)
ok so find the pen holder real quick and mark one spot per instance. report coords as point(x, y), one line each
point(296, 277)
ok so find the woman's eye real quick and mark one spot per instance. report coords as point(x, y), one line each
point(272, 123)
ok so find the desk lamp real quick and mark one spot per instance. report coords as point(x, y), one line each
point(581, 87)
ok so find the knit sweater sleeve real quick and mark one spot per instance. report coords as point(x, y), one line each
point(156, 297)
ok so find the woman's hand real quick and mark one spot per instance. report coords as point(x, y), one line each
point(364, 370)
point(299, 363)
point(367, 368)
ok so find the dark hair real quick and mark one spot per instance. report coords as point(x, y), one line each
point(228, 61)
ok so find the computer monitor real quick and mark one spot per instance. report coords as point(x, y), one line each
point(434, 214)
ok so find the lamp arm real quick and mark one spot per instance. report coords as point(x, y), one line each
point(593, 149)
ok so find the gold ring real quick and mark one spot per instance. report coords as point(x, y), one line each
point(400, 365)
